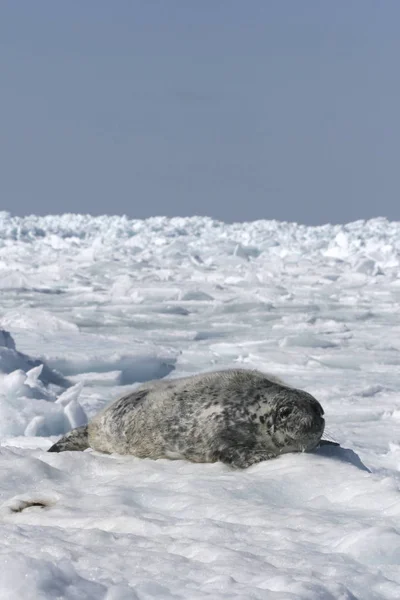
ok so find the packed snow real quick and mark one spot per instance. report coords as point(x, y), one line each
point(91, 307)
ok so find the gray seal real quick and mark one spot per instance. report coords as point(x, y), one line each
point(236, 416)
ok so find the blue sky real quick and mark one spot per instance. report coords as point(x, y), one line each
point(239, 110)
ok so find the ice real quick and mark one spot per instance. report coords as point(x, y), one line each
point(6, 340)
point(70, 395)
point(12, 360)
point(197, 295)
point(75, 414)
point(91, 307)
point(307, 340)
point(35, 319)
point(29, 405)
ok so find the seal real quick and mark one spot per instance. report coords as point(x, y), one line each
point(238, 417)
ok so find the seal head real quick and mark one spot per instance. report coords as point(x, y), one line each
point(298, 422)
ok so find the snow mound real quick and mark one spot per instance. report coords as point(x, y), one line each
point(201, 530)
point(47, 579)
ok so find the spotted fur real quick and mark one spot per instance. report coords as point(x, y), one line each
point(238, 417)
point(77, 439)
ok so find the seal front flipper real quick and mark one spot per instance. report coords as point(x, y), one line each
point(77, 440)
point(242, 457)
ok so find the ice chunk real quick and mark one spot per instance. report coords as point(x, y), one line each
point(75, 414)
point(71, 394)
point(197, 296)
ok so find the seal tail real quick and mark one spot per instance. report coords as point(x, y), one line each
point(77, 439)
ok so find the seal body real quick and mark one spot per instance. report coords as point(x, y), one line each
point(238, 417)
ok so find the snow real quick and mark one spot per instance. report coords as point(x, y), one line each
point(93, 306)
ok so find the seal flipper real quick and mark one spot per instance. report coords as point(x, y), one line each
point(76, 440)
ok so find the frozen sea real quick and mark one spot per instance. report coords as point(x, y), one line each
point(90, 307)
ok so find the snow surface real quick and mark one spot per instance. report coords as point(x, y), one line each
point(104, 303)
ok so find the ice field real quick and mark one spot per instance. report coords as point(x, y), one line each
point(90, 307)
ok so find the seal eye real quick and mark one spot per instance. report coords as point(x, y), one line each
point(284, 413)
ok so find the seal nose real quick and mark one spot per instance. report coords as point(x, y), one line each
point(318, 420)
point(318, 410)
point(319, 424)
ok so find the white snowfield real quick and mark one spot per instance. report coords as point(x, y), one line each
point(104, 303)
